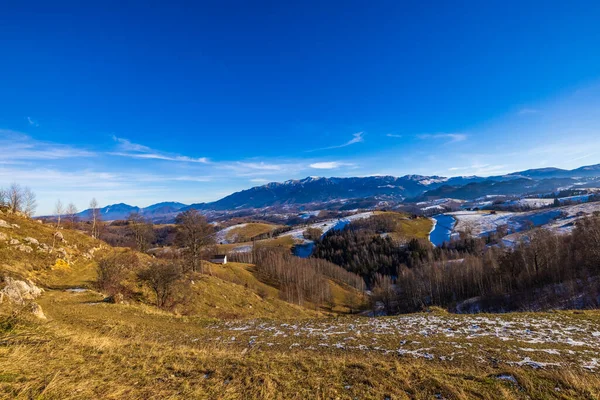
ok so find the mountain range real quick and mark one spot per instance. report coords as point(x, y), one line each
point(408, 188)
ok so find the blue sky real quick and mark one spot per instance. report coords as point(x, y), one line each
point(146, 102)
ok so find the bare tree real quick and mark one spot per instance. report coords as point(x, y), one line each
point(14, 197)
point(194, 233)
point(142, 230)
point(30, 202)
point(71, 213)
point(58, 212)
point(161, 277)
point(95, 217)
point(3, 197)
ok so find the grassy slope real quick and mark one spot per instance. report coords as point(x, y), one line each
point(43, 267)
point(89, 349)
point(97, 350)
point(407, 228)
point(250, 230)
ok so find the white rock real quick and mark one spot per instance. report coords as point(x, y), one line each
point(4, 224)
point(31, 240)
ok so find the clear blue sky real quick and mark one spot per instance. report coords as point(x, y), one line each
point(153, 101)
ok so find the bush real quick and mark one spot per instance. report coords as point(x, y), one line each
point(113, 271)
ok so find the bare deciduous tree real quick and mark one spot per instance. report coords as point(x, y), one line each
point(194, 233)
point(30, 202)
point(58, 212)
point(14, 197)
point(161, 277)
point(71, 213)
point(95, 217)
point(142, 230)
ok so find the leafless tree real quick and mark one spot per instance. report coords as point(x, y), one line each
point(142, 230)
point(95, 217)
point(194, 234)
point(30, 202)
point(162, 278)
point(58, 212)
point(14, 197)
point(3, 197)
point(71, 213)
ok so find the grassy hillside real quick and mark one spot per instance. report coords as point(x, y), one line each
point(97, 350)
point(248, 231)
point(408, 228)
point(47, 259)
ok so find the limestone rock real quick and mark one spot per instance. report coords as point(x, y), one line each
point(31, 240)
point(25, 248)
point(59, 236)
point(37, 311)
point(4, 224)
point(19, 292)
point(14, 242)
point(16, 226)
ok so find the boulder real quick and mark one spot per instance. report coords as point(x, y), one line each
point(14, 242)
point(19, 292)
point(31, 240)
point(59, 236)
point(25, 248)
point(4, 224)
point(37, 311)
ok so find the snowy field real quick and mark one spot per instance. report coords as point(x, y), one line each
point(560, 220)
point(221, 236)
point(325, 226)
point(536, 341)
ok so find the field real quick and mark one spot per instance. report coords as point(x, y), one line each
point(234, 338)
point(88, 349)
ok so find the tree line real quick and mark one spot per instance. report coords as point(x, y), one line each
point(543, 270)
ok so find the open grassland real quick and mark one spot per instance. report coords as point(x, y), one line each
point(408, 228)
point(286, 242)
point(88, 349)
point(246, 232)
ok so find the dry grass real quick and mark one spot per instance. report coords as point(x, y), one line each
point(247, 232)
point(407, 228)
point(89, 350)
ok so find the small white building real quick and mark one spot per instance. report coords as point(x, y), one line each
point(219, 259)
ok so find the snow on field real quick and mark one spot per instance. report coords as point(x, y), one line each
point(560, 220)
point(221, 236)
point(325, 226)
point(480, 223)
point(540, 341)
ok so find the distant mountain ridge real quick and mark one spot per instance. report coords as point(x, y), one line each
point(317, 190)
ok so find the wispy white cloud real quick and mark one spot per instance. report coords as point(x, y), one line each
point(126, 148)
point(356, 138)
point(32, 122)
point(393, 135)
point(330, 165)
point(18, 146)
point(259, 180)
point(450, 137)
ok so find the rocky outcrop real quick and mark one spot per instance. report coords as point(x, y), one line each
point(24, 248)
point(19, 292)
point(4, 224)
point(31, 240)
